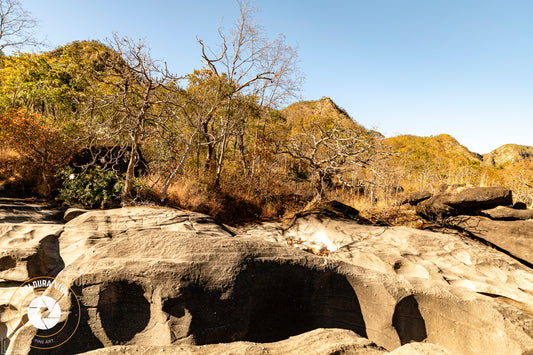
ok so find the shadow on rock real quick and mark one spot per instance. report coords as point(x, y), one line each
point(408, 321)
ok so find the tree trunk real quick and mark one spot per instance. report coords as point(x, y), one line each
point(220, 162)
point(163, 195)
point(128, 182)
point(320, 192)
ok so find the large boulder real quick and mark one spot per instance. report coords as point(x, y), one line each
point(457, 200)
point(478, 197)
point(209, 289)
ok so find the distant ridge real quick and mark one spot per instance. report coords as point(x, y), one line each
point(508, 154)
point(323, 110)
point(442, 147)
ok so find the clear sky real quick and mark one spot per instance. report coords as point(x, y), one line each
point(422, 67)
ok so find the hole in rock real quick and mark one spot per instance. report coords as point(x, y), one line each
point(47, 261)
point(287, 300)
point(270, 302)
point(124, 310)
point(408, 321)
point(7, 262)
point(174, 307)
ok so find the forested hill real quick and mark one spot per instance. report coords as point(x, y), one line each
point(208, 142)
point(321, 110)
point(508, 154)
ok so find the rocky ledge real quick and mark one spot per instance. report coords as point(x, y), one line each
point(485, 213)
point(158, 280)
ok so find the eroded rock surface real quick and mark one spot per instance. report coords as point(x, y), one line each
point(515, 237)
point(29, 250)
point(158, 279)
point(509, 214)
point(486, 213)
point(427, 261)
point(17, 210)
point(315, 342)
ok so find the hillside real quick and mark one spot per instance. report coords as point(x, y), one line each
point(320, 111)
point(441, 148)
point(426, 162)
point(92, 52)
point(508, 154)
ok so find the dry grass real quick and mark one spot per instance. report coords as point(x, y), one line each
point(233, 205)
point(380, 210)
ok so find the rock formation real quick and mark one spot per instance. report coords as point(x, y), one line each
point(487, 213)
point(150, 280)
point(459, 199)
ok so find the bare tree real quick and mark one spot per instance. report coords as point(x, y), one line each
point(129, 99)
point(254, 66)
point(333, 150)
point(17, 27)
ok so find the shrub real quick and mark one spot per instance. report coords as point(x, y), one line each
point(93, 188)
point(38, 148)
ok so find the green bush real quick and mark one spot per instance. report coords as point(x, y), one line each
point(94, 188)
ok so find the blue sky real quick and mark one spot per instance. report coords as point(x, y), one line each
point(422, 67)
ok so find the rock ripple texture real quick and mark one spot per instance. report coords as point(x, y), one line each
point(158, 280)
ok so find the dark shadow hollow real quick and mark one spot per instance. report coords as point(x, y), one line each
point(408, 321)
point(47, 261)
point(285, 300)
point(124, 310)
point(7, 262)
point(268, 302)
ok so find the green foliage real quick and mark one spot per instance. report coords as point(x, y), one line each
point(94, 188)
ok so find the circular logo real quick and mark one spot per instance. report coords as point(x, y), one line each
point(44, 313)
point(47, 306)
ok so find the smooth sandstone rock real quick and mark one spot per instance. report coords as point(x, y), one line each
point(17, 210)
point(29, 250)
point(515, 237)
point(425, 258)
point(508, 214)
point(315, 342)
point(152, 279)
point(476, 197)
point(72, 213)
point(101, 226)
